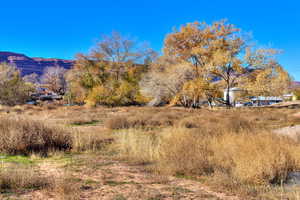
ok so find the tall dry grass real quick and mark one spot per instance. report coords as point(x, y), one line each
point(19, 178)
point(256, 158)
point(137, 145)
point(25, 136)
point(90, 141)
point(248, 155)
point(145, 119)
point(65, 188)
point(20, 135)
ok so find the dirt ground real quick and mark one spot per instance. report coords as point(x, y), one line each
point(101, 178)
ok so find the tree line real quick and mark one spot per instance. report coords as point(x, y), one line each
point(198, 62)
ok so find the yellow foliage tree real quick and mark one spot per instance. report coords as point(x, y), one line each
point(212, 50)
point(110, 74)
point(270, 81)
point(196, 90)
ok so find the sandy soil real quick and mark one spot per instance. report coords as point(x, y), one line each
point(104, 179)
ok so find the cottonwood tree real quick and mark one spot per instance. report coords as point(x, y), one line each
point(195, 90)
point(13, 90)
point(120, 53)
point(212, 49)
point(220, 58)
point(270, 81)
point(110, 73)
point(197, 44)
point(163, 84)
point(265, 77)
point(227, 67)
point(31, 78)
point(54, 79)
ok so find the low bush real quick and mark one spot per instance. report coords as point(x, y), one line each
point(25, 136)
point(119, 122)
point(189, 122)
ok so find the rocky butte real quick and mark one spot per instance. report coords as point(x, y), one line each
point(28, 65)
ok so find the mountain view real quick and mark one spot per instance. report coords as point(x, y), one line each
point(28, 65)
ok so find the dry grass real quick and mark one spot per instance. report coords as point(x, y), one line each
point(137, 145)
point(119, 122)
point(25, 136)
point(256, 158)
point(145, 119)
point(238, 148)
point(246, 158)
point(19, 178)
point(64, 188)
point(233, 149)
point(90, 141)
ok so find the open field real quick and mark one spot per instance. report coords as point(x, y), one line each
point(54, 152)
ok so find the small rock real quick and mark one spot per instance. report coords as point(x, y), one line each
point(290, 131)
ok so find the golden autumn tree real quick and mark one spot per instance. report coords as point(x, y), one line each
point(195, 90)
point(211, 49)
point(219, 54)
point(265, 77)
point(227, 67)
point(270, 81)
point(13, 89)
point(110, 74)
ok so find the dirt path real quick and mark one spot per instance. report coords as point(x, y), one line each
point(103, 179)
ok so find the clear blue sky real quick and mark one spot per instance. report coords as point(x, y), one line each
point(62, 28)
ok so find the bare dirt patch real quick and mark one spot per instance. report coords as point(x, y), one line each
point(105, 179)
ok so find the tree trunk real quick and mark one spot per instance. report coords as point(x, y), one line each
point(228, 104)
point(210, 103)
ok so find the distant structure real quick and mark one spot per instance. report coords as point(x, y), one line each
point(233, 94)
point(263, 101)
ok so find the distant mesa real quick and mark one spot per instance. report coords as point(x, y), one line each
point(296, 84)
point(28, 65)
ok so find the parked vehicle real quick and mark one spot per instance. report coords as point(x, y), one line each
point(248, 104)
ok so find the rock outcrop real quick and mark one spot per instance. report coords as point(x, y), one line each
point(28, 65)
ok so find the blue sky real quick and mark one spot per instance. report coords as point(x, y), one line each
point(62, 28)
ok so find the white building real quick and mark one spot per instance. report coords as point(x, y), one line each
point(234, 93)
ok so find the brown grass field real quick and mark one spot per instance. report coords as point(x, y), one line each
point(124, 153)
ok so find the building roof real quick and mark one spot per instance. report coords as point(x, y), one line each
point(233, 89)
point(261, 98)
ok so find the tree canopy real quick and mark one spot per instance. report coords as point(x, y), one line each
point(217, 57)
point(110, 73)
